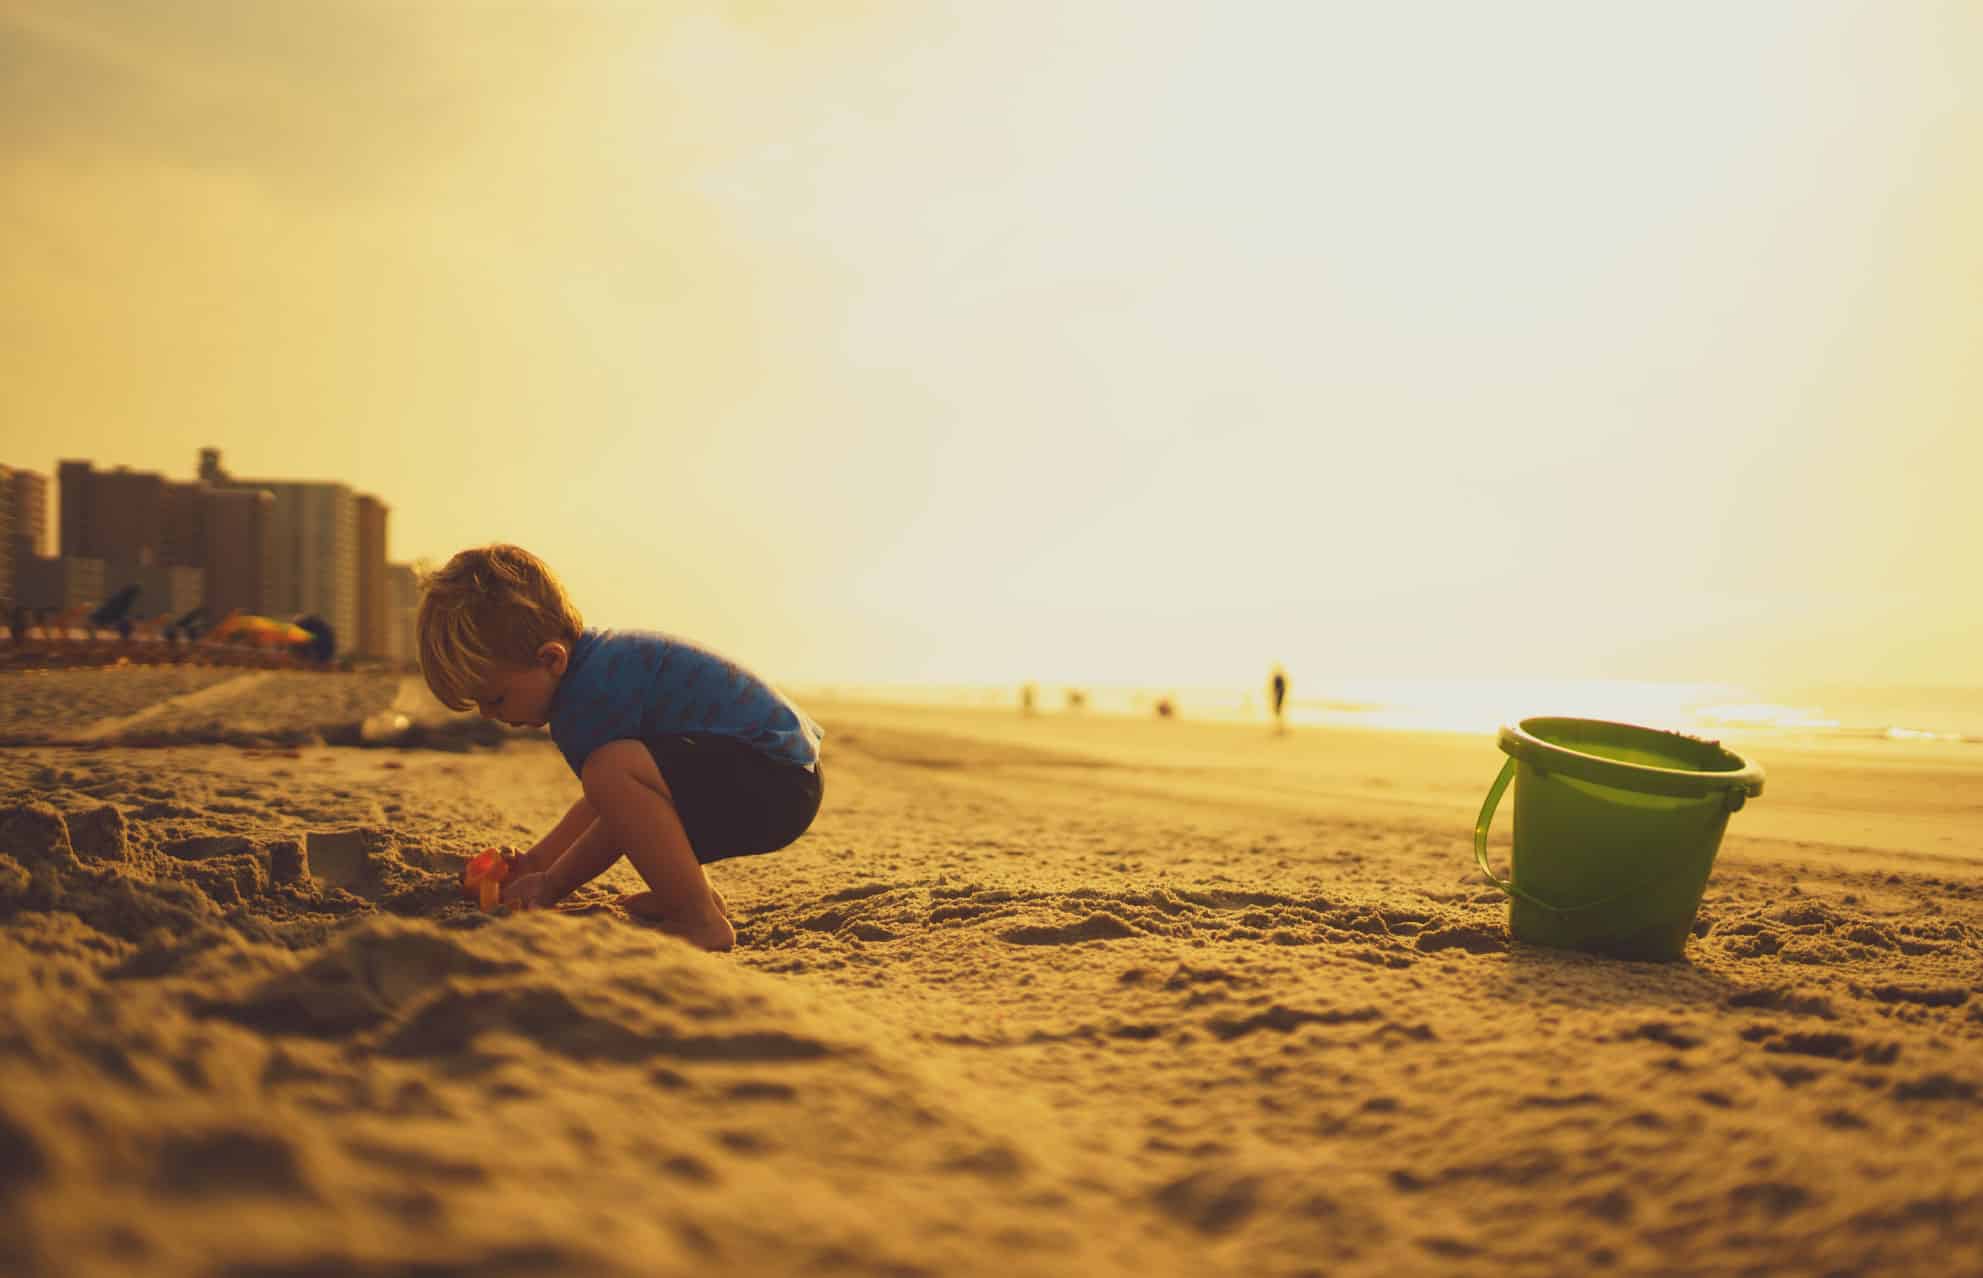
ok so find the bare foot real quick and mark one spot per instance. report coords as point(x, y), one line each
point(645, 905)
point(717, 936)
point(712, 933)
point(642, 905)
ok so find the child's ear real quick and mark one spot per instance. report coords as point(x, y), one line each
point(554, 656)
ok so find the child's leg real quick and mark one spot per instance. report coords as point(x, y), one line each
point(636, 814)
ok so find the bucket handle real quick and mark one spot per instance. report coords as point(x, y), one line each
point(1486, 819)
point(1480, 855)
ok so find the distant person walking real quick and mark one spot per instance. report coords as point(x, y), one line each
point(1277, 696)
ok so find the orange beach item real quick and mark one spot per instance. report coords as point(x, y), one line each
point(484, 877)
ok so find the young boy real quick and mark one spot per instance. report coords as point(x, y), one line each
point(683, 757)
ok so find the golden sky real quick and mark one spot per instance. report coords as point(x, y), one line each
point(1140, 341)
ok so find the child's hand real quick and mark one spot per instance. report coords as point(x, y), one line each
point(527, 892)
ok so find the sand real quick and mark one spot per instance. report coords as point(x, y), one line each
point(1053, 995)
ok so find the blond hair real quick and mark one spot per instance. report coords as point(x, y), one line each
point(489, 606)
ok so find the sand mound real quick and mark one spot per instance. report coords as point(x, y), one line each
point(462, 1093)
point(270, 1077)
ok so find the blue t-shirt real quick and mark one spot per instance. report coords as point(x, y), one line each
point(636, 684)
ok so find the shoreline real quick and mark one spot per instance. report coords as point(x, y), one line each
point(1827, 795)
point(1899, 715)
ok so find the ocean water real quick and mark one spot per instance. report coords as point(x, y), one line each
point(1894, 715)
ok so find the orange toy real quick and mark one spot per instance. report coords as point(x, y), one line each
point(484, 877)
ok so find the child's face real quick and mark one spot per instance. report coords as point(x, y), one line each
point(521, 695)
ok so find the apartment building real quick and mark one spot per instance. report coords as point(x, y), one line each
point(234, 519)
point(313, 568)
point(33, 578)
point(374, 614)
point(117, 515)
point(30, 502)
point(402, 611)
point(146, 531)
point(311, 565)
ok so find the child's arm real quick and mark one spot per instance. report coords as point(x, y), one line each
point(546, 851)
point(585, 860)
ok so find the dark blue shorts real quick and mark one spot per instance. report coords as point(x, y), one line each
point(735, 800)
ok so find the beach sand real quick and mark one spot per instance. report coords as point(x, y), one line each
point(1050, 995)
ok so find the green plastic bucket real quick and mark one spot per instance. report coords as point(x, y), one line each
point(1616, 828)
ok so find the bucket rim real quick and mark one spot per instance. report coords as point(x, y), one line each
point(1521, 741)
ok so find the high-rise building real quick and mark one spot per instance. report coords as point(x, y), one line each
point(183, 534)
point(238, 541)
point(23, 536)
point(184, 545)
point(135, 525)
point(312, 563)
point(117, 516)
point(373, 614)
point(403, 612)
point(31, 510)
point(226, 532)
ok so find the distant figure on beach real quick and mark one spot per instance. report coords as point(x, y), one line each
point(1026, 693)
point(1165, 709)
point(1277, 696)
point(1077, 700)
point(682, 757)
